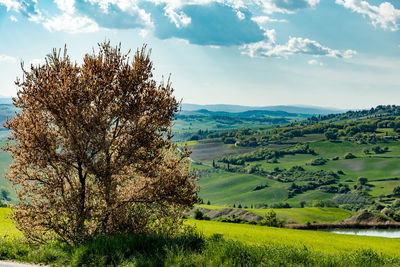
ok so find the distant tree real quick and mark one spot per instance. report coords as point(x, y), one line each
point(349, 156)
point(194, 138)
point(240, 206)
point(208, 202)
point(198, 214)
point(271, 219)
point(93, 151)
point(5, 195)
point(331, 134)
point(378, 150)
point(362, 180)
point(396, 190)
point(302, 204)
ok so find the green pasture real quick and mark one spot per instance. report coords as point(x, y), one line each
point(300, 215)
point(189, 143)
point(7, 227)
point(226, 188)
point(383, 187)
point(324, 242)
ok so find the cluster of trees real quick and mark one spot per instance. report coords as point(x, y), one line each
point(321, 180)
point(4, 197)
point(267, 154)
point(379, 111)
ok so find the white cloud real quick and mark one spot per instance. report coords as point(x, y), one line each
point(315, 62)
point(70, 24)
point(266, 19)
point(66, 5)
point(179, 19)
point(14, 19)
point(295, 45)
point(285, 6)
point(5, 58)
point(37, 61)
point(11, 4)
point(385, 15)
point(271, 35)
point(240, 15)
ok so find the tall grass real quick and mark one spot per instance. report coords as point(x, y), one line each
point(191, 249)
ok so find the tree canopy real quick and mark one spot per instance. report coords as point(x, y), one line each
point(93, 150)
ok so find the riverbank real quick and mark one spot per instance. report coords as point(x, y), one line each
point(344, 225)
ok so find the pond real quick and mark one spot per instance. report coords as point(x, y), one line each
point(390, 233)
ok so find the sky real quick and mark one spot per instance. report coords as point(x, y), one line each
point(331, 53)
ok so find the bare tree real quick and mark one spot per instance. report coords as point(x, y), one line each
point(92, 149)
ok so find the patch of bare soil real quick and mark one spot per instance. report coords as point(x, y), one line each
point(227, 213)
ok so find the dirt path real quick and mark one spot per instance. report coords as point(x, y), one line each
point(16, 264)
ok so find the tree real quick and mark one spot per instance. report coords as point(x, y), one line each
point(92, 149)
point(331, 134)
point(362, 180)
point(396, 190)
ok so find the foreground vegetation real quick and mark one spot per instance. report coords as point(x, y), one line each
point(186, 250)
point(221, 244)
point(317, 241)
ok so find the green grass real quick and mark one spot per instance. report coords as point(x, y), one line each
point(226, 188)
point(7, 227)
point(301, 215)
point(224, 245)
point(314, 240)
point(189, 143)
point(233, 188)
point(383, 187)
point(189, 249)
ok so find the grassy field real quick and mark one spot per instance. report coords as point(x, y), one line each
point(261, 235)
point(300, 215)
point(7, 227)
point(227, 188)
point(314, 240)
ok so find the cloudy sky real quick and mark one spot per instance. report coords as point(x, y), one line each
point(336, 53)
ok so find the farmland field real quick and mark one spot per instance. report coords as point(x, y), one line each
point(300, 215)
point(314, 240)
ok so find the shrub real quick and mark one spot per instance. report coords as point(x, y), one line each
point(349, 156)
point(198, 214)
point(319, 161)
point(271, 219)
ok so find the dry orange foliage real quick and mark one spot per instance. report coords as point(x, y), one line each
point(92, 149)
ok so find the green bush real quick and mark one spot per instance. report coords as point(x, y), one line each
point(271, 219)
point(198, 214)
point(349, 156)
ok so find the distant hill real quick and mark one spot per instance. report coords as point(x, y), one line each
point(310, 110)
point(5, 100)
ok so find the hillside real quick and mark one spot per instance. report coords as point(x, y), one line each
point(351, 164)
point(310, 110)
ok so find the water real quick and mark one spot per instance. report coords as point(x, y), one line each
point(389, 233)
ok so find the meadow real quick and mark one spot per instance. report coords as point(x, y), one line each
point(209, 244)
point(226, 188)
point(318, 241)
point(299, 215)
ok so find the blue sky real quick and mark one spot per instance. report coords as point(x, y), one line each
point(336, 53)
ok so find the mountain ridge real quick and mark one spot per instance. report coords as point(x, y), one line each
point(299, 109)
